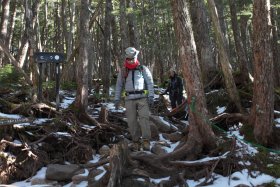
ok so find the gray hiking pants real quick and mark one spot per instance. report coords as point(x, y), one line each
point(137, 112)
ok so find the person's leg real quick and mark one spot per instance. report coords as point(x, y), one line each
point(144, 122)
point(179, 99)
point(131, 114)
point(172, 101)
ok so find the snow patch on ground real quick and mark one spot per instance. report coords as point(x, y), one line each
point(216, 180)
point(220, 110)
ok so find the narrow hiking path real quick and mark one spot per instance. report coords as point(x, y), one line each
point(92, 148)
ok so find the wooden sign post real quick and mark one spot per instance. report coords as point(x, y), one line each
point(51, 57)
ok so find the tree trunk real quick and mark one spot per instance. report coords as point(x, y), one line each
point(200, 133)
point(31, 13)
point(275, 49)
point(123, 28)
point(4, 25)
point(224, 59)
point(245, 39)
point(263, 95)
point(155, 44)
point(11, 25)
point(69, 72)
point(58, 31)
point(222, 22)
point(64, 25)
point(14, 62)
point(202, 38)
point(44, 33)
point(115, 43)
point(72, 8)
point(81, 100)
point(106, 66)
point(132, 26)
point(241, 55)
point(28, 35)
point(92, 60)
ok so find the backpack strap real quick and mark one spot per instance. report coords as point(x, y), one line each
point(140, 67)
point(125, 72)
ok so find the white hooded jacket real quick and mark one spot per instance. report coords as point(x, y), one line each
point(135, 80)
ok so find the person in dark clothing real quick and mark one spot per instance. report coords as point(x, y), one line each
point(175, 89)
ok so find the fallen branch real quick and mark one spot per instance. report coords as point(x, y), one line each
point(7, 122)
point(230, 118)
point(162, 126)
point(95, 165)
point(12, 144)
point(178, 109)
point(201, 162)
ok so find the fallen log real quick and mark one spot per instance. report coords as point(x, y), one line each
point(179, 110)
point(201, 162)
point(28, 109)
point(163, 126)
point(97, 164)
point(226, 120)
point(6, 122)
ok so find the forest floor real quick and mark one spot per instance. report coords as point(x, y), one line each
point(252, 165)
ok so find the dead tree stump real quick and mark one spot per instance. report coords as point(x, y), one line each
point(118, 160)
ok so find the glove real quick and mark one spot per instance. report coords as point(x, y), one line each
point(117, 104)
point(151, 101)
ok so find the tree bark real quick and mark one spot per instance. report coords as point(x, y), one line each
point(244, 35)
point(224, 59)
point(220, 7)
point(23, 50)
point(11, 25)
point(263, 92)
point(106, 66)
point(81, 101)
point(15, 63)
point(72, 10)
point(4, 25)
point(201, 134)
point(123, 28)
point(64, 25)
point(202, 38)
point(26, 40)
point(118, 160)
point(115, 43)
point(241, 55)
point(132, 26)
point(275, 49)
point(58, 39)
point(31, 13)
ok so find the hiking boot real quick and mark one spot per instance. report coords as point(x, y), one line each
point(134, 146)
point(146, 145)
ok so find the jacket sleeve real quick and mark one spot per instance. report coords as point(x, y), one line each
point(119, 86)
point(149, 81)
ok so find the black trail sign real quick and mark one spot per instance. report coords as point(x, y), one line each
point(49, 57)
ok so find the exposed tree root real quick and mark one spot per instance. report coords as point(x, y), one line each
point(227, 120)
point(77, 144)
point(25, 164)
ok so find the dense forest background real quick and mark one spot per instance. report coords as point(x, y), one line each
point(213, 44)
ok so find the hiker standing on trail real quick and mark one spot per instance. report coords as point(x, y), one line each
point(134, 78)
point(175, 89)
